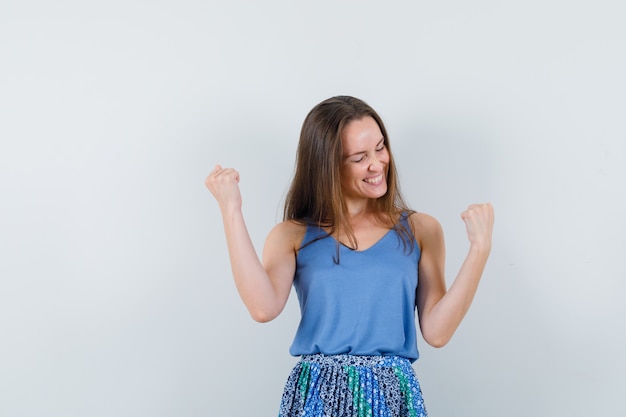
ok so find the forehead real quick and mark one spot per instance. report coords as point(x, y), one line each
point(361, 133)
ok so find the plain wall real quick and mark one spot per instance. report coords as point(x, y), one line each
point(115, 290)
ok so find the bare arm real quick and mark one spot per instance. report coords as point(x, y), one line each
point(440, 310)
point(263, 287)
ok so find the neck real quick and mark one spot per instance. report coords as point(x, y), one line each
point(359, 207)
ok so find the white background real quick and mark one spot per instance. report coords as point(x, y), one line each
point(115, 291)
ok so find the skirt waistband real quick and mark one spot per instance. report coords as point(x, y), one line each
point(356, 360)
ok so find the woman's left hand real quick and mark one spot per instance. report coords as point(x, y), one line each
point(478, 220)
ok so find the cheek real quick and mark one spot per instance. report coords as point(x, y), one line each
point(354, 173)
point(345, 175)
point(385, 158)
point(351, 173)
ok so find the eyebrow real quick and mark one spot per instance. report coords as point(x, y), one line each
point(360, 152)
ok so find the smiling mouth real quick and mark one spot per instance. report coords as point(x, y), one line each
point(375, 180)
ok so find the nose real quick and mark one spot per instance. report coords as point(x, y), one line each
point(375, 164)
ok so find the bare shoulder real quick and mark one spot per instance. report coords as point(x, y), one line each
point(288, 233)
point(425, 227)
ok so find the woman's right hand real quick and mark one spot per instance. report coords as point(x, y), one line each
point(223, 183)
point(264, 286)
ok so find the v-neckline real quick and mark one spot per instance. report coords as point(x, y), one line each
point(380, 239)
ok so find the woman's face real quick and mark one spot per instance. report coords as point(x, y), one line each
point(365, 160)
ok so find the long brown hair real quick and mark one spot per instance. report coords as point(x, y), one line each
point(315, 195)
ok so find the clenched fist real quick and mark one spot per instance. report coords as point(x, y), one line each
point(223, 183)
point(478, 220)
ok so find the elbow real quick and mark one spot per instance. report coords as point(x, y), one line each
point(436, 340)
point(263, 311)
point(263, 316)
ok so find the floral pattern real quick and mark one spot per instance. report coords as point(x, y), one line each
point(352, 386)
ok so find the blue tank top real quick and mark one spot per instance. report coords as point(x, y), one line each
point(362, 305)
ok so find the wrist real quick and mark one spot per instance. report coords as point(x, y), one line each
point(480, 249)
point(230, 211)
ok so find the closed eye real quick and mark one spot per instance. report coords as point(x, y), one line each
point(379, 148)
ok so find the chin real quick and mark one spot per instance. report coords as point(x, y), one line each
point(379, 194)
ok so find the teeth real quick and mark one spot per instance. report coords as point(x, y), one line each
point(374, 180)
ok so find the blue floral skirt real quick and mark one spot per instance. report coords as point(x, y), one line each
point(352, 386)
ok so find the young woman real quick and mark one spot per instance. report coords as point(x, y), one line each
point(361, 261)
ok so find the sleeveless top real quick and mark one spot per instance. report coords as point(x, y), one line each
point(362, 305)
